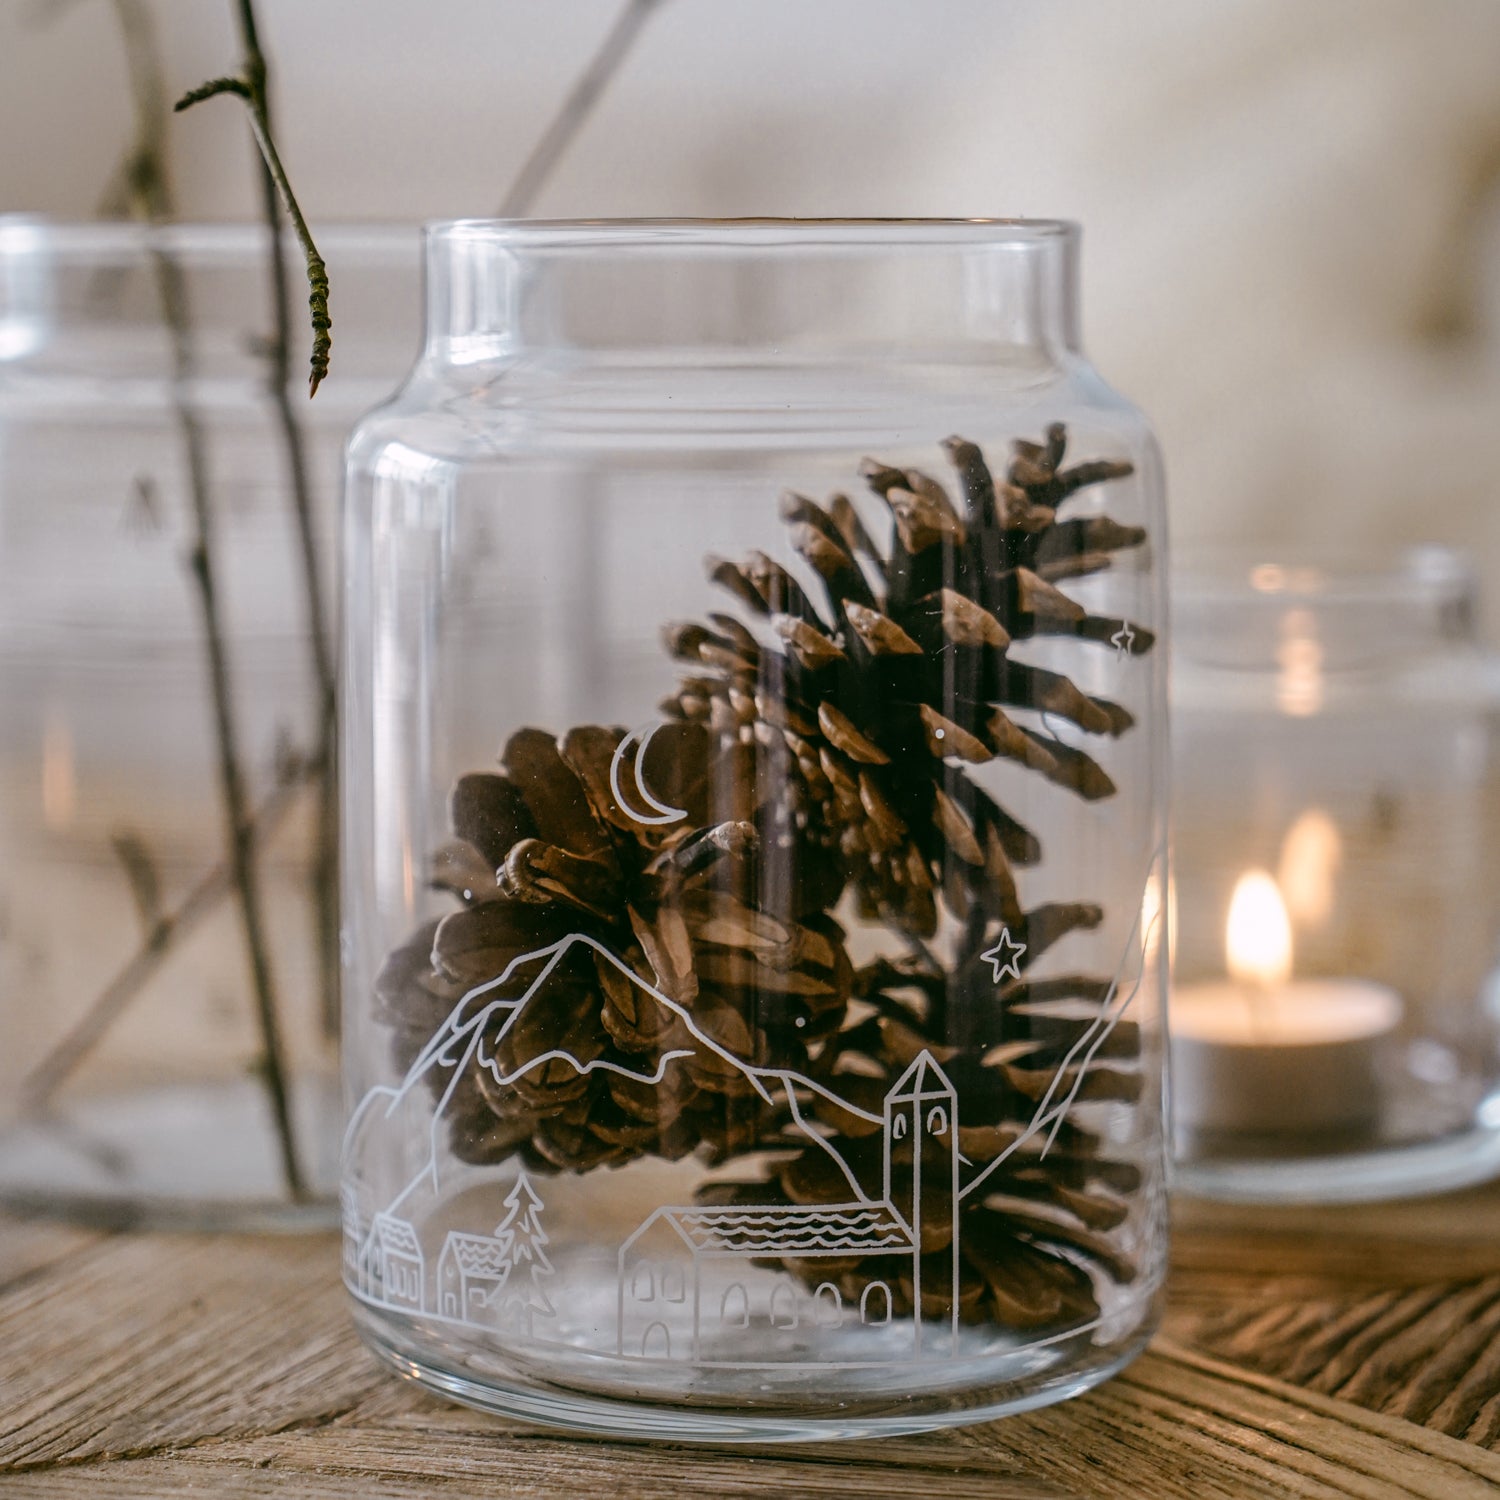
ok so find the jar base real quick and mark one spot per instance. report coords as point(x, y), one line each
point(565, 1409)
point(1413, 1171)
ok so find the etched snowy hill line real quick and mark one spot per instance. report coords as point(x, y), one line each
point(466, 1039)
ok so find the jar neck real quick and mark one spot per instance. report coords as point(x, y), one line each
point(828, 289)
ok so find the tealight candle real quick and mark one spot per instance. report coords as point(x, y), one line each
point(1265, 1054)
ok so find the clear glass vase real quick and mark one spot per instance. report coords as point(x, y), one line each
point(753, 905)
point(168, 1053)
point(1336, 1019)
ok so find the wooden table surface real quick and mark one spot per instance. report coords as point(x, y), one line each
point(1331, 1352)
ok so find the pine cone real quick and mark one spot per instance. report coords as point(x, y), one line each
point(875, 702)
point(871, 708)
point(545, 850)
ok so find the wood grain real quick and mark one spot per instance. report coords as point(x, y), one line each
point(1337, 1355)
point(1395, 1307)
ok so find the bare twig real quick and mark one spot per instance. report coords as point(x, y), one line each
point(239, 825)
point(577, 107)
point(143, 183)
point(250, 85)
point(323, 877)
point(168, 928)
point(151, 198)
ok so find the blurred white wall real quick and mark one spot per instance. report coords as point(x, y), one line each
point(1292, 209)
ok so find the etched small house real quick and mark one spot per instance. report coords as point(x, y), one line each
point(688, 1278)
point(470, 1274)
point(391, 1265)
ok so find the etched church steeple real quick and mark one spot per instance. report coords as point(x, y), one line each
point(921, 1187)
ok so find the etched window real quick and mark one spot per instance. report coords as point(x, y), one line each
point(734, 1307)
point(784, 1305)
point(643, 1283)
point(937, 1121)
point(673, 1284)
point(656, 1342)
point(898, 1129)
point(828, 1306)
point(875, 1304)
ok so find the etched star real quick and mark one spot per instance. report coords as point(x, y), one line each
point(1123, 639)
point(1005, 957)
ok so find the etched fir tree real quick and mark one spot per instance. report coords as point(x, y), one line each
point(522, 1299)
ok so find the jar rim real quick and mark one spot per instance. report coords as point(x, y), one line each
point(762, 233)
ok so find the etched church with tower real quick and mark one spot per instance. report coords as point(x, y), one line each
point(691, 1277)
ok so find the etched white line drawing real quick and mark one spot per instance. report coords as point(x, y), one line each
point(386, 1263)
point(661, 812)
point(1123, 640)
point(1005, 957)
point(685, 1276)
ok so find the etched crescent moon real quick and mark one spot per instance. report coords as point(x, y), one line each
point(661, 812)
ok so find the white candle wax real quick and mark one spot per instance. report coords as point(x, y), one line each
point(1292, 1058)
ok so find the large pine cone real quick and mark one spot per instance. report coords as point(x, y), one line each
point(871, 708)
point(873, 705)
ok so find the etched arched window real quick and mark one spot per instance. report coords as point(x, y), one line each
point(643, 1282)
point(673, 1284)
point(875, 1304)
point(898, 1127)
point(734, 1307)
point(784, 1305)
point(937, 1120)
point(656, 1342)
point(828, 1306)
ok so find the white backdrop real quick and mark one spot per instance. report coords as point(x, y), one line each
point(1292, 209)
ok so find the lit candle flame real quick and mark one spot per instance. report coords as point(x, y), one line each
point(1258, 936)
point(1310, 859)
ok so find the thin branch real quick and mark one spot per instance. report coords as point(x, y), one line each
point(144, 183)
point(250, 85)
point(169, 927)
point(577, 107)
point(150, 199)
point(323, 876)
point(239, 826)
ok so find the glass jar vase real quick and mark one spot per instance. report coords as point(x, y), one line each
point(754, 952)
point(1336, 1017)
point(168, 1005)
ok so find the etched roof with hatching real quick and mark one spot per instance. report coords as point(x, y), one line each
point(395, 1235)
point(780, 1230)
point(477, 1254)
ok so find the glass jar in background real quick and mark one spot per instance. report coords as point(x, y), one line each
point(753, 835)
point(1335, 1011)
point(133, 1026)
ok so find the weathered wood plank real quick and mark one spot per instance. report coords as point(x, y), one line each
point(1177, 1424)
point(150, 1340)
point(163, 1365)
point(28, 1246)
point(1428, 1355)
point(1393, 1306)
point(1173, 1427)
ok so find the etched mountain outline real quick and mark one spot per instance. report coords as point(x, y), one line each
point(460, 1042)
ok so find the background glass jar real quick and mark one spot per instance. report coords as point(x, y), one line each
point(1335, 1013)
point(753, 907)
point(133, 1045)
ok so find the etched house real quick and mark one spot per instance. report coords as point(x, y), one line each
point(391, 1265)
point(689, 1278)
point(471, 1272)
